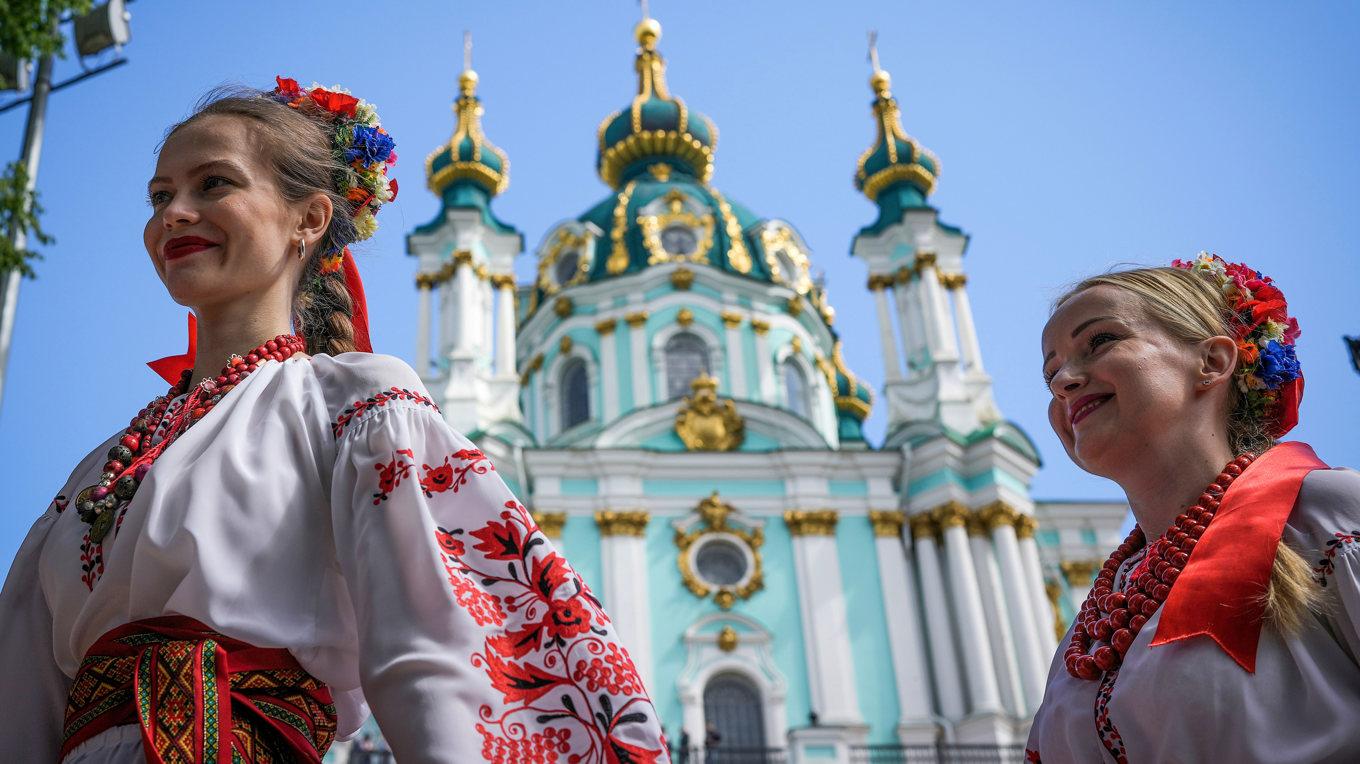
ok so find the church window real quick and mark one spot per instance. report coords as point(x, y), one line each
point(567, 265)
point(720, 562)
point(679, 240)
point(575, 394)
point(686, 358)
point(734, 718)
point(795, 389)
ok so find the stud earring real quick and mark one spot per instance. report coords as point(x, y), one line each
point(1206, 381)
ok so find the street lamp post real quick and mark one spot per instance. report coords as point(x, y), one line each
point(104, 27)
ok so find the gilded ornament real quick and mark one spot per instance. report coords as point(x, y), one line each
point(887, 523)
point(953, 280)
point(881, 281)
point(564, 242)
point(684, 317)
point(794, 306)
point(462, 257)
point(566, 344)
point(622, 523)
point(888, 121)
point(676, 214)
point(636, 319)
point(905, 274)
point(1079, 572)
point(777, 240)
point(550, 523)
point(925, 259)
point(503, 281)
point(923, 526)
point(537, 363)
point(976, 525)
point(468, 126)
point(998, 514)
point(811, 522)
point(796, 344)
point(1054, 591)
point(759, 326)
point(737, 255)
point(682, 278)
point(714, 518)
point(731, 319)
point(563, 307)
point(704, 423)
point(618, 251)
point(951, 514)
point(661, 171)
point(727, 638)
point(606, 326)
point(1025, 525)
point(481, 272)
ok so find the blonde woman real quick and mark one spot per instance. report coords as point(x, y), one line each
point(281, 544)
point(1225, 627)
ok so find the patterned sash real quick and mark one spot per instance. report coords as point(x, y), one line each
point(199, 697)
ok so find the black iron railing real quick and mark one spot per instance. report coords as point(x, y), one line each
point(730, 755)
point(943, 753)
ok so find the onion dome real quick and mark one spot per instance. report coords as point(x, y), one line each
point(468, 162)
point(853, 398)
point(657, 127)
point(896, 165)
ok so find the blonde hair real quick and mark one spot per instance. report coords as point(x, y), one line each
point(1189, 309)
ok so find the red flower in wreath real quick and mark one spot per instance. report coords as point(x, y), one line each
point(335, 103)
point(288, 88)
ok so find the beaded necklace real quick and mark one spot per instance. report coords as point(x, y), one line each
point(131, 458)
point(1115, 618)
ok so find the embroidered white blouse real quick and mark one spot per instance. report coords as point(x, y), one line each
point(1188, 701)
point(324, 506)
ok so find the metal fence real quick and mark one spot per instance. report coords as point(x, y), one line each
point(943, 753)
point(730, 755)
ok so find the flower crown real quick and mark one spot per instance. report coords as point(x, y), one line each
point(359, 143)
point(1265, 332)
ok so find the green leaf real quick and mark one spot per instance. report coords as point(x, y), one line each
point(19, 211)
point(28, 28)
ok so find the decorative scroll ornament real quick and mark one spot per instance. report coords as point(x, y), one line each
point(715, 521)
point(705, 423)
point(566, 244)
point(677, 214)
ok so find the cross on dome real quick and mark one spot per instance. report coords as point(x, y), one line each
point(468, 161)
point(895, 161)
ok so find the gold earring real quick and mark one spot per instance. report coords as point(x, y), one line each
point(302, 249)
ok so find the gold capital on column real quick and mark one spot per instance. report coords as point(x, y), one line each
point(887, 523)
point(606, 326)
point(636, 319)
point(1025, 526)
point(731, 319)
point(682, 278)
point(951, 514)
point(462, 257)
point(997, 514)
point(551, 523)
point(925, 259)
point(923, 526)
point(759, 326)
point(953, 280)
point(811, 522)
point(503, 281)
point(621, 522)
point(1078, 572)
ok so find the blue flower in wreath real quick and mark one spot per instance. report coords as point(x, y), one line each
point(1278, 365)
point(370, 145)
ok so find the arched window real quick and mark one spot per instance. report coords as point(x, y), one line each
point(734, 719)
point(686, 358)
point(575, 394)
point(795, 389)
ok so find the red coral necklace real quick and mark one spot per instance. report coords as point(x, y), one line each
point(131, 458)
point(1110, 620)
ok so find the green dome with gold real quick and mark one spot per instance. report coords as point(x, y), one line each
point(468, 157)
point(895, 161)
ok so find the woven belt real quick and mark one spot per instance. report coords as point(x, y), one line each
point(199, 697)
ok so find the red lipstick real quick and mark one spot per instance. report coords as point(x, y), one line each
point(1085, 405)
point(183, 246)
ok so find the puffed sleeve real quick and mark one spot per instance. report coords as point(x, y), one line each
point(477, 640)
point(33, 686)
point(1335, 495)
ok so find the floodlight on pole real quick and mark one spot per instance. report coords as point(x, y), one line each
point(13, 73)
point(105, 26)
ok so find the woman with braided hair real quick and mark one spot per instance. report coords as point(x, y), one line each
point(278, 545)
point(1226, 627)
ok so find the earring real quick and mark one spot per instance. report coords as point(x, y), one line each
point(1206, 381)
point(302, 249)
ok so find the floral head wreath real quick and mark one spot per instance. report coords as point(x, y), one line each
point(1268, 372)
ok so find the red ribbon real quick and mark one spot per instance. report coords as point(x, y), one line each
point(1221, 592)
point(171, 367)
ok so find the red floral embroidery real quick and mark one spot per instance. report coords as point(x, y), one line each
point(60, 503)
point(1326, 566)
point(392, 473)
point(553, 660)
point(1109, 734)
point(1032, 757)
point(378, 400)
point(447, 477)
point(91, 562)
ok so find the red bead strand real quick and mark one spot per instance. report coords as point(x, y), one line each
point(1109, 620)
point(131, 458)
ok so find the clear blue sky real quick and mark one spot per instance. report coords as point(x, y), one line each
point(1073, 135)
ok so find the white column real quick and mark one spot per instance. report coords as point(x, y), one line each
point(935, 604)
point(963, 312)
point(916, 722)
point(449, 312)
point(831, 671)
point(911, 322)
point(764, 361)
point(609, 370)
point(944, 344)
point(505, 326)
point(642, 367)
point(1001, 639)
point(1033, 663)
point(980, 671)
point(485, 311)
point(466, 307)
point(1034, 580)
point(892, 365)
point(423, 332)
point(623, 556)
point(736, 360)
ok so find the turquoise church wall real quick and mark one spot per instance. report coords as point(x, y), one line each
point(869, 646)
point(581, 544)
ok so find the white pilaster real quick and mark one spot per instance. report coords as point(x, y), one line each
point(1034, 585)
point(831, 671)
point(623, 557)
point(911, 323)
point(423, 332)
point(980, 671)
point(637, 338)
point(944, 346)
point(736, 359)
point(1000, 637)
point(892, 365)
point(609, 370)
point(935, 604)
point(486, 311)
point(764, 362)
point(916, 723)
point(963, 312)
point(505, 326)
point(465, 304)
